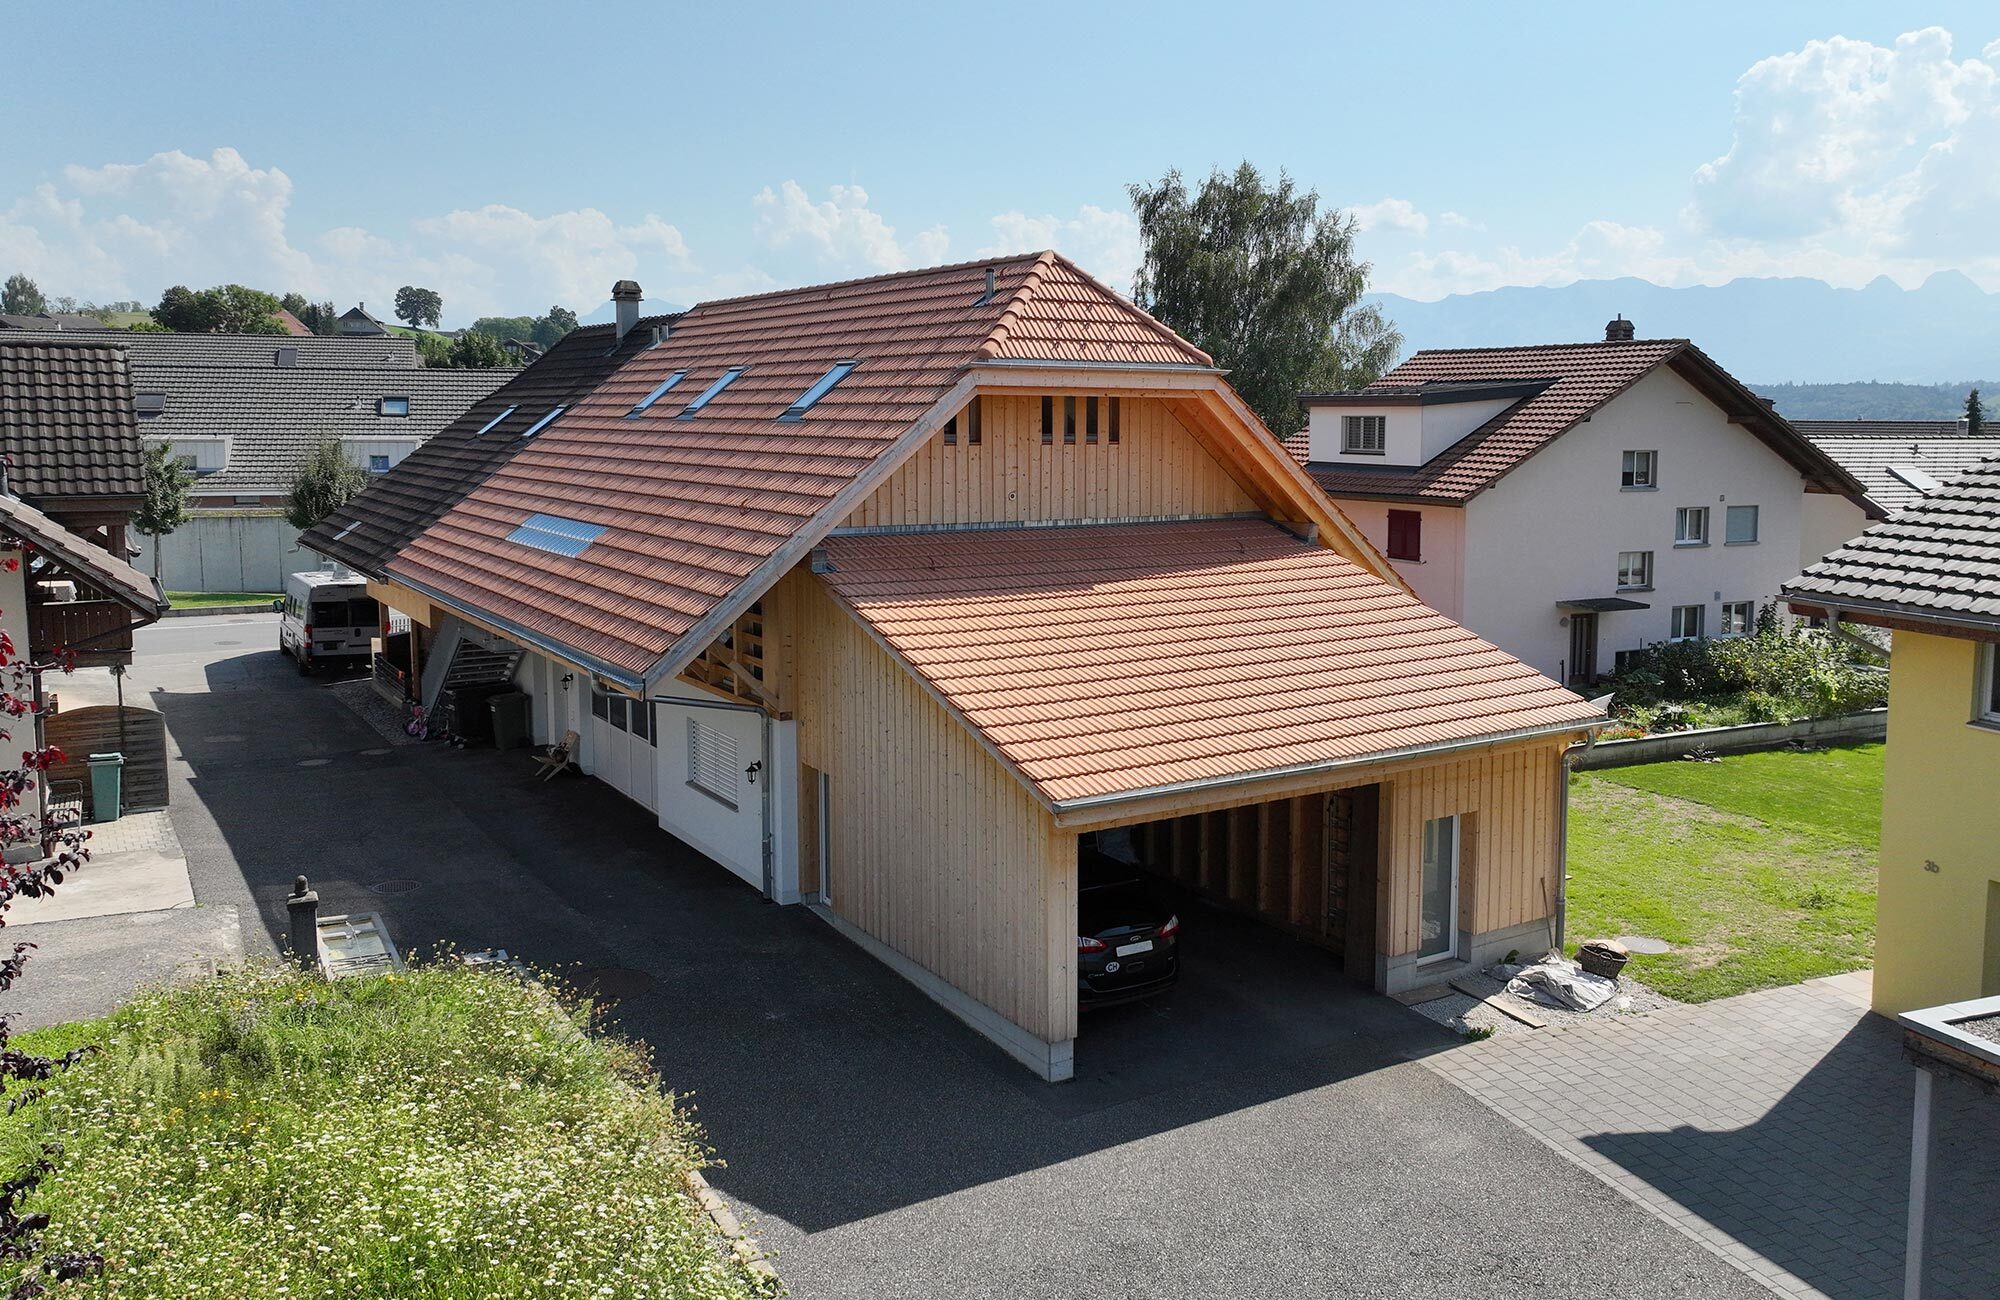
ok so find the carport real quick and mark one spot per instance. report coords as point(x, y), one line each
point(1281, 732)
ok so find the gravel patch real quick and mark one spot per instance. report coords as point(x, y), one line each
point(1466, 1014)
point(361, 696)
point(1986, 1027)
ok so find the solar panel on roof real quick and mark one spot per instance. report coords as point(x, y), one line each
point(555, 534)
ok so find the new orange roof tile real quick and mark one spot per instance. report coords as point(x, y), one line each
point(692, 507)
point(1106, 660)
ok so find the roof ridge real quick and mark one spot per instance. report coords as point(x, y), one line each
point(1547, 347)
point(995, 337)
point(864, 279)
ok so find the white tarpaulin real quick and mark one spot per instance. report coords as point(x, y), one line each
point(1555, 981)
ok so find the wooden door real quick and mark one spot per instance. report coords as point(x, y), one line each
point(1582, 648)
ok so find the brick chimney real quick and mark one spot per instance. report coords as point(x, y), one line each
point(625, 294)
point(1618, 330)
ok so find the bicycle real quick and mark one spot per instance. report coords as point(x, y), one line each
point(416, 723)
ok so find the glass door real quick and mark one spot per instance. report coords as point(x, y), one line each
point(1438, 934)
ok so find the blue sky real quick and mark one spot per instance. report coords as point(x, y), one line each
point(514, 155)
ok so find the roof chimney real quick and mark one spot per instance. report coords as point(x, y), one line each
point(986, 297)
point(1618, 330)
point(626, 295)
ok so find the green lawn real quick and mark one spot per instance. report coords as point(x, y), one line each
point(210, 599)
point(443, 1133)
point(1759, 868)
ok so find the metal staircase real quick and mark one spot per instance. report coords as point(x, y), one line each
point(465, 656)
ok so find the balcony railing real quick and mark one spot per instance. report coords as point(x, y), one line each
point(89, 627)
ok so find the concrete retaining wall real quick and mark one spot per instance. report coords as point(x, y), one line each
point(227, 550)
point(1872, 724)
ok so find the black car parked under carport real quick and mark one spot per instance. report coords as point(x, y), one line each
point(1127, 939)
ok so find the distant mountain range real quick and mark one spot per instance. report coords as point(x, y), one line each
point(1765, 331)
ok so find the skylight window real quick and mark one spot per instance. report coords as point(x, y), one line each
point(708, 393)
point(1916, 478)
point(392, 406)
point(150, 403)
point(489, 425)
point(663, 388)
point(555, 534)
point(821, 387)
point(543, 423)
point(345, 531)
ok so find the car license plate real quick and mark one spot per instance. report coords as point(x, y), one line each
point(1144, 945)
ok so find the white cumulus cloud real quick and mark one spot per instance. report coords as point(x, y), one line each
point(1390, 214)
point(1102, 242)
point(129, 230)
point(842, 229)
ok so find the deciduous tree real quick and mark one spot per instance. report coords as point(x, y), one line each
point(21, 296)
point(326, 482)
point(169, 483)
point(1258, 277)
point(417, 307)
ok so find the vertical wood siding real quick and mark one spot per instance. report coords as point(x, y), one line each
point(934, 848)
point(1507, 800)
point(1156, 468)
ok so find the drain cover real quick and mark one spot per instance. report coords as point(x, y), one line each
point(314, 762)
point(229, 643)
point(1640, 943)
point(373, 752)
point(613, 982)
point(225, 738)
point(396, 886)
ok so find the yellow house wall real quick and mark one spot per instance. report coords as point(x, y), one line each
point(1936, 937)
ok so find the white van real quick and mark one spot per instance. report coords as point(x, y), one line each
point(328, 618)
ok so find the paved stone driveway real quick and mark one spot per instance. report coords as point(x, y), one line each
point(1772, 1128)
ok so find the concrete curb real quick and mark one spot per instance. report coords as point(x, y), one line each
point(1665, 746)
point(741, 1245)
point(201, 610)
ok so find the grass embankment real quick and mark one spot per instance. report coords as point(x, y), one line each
point(443, 1133)
point(1759, 869)
point(210, 599)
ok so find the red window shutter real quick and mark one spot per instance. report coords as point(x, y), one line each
point(1406, 535)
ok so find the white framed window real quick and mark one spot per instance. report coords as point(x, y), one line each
point(712, 765)
point(378, 464)
point(1438, 936)
point(1741, 525)
point(1641, 470)
point(1691, 526)
point(1739, 617)
point(1364, 435)
point(392, 406)
point(1635, 570)
point(1687, 623)
point(1989, 685)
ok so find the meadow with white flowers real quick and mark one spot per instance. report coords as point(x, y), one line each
point(443, 1132)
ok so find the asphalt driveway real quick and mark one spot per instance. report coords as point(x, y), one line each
point(1265, 1133)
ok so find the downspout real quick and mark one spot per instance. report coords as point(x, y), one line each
point(1561, 927)
point(763, 766)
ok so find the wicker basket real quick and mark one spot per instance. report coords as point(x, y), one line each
point(1605, 957)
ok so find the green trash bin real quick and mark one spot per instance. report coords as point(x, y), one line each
point(511, 725)
point(107, 786)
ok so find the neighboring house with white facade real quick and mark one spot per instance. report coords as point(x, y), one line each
point(1573, 502)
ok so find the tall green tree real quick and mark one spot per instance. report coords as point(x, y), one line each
point(476, 351)
point(21, 296)
point(227, 309)
point(418, 307)
point(1254, 274)
point(169, 484)
point(550, 329)
point(325, 482)
point(1975, 414)
point(434, 350)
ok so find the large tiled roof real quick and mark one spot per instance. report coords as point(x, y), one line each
point(692, 507)
point(231, 385)
point(1892, 458)
point(1938, 560)
point(1111, 659)
point(66, 421)
point(1580, 377)
point(438, 475)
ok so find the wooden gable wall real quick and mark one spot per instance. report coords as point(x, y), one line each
point(1156, 468)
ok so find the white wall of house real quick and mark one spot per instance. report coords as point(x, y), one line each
point(1829, 522)
point(1438, 576)
point(724, 820)
point(1553, 528)
point(14, 606)
point(1415, 432)
point(362, 451)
